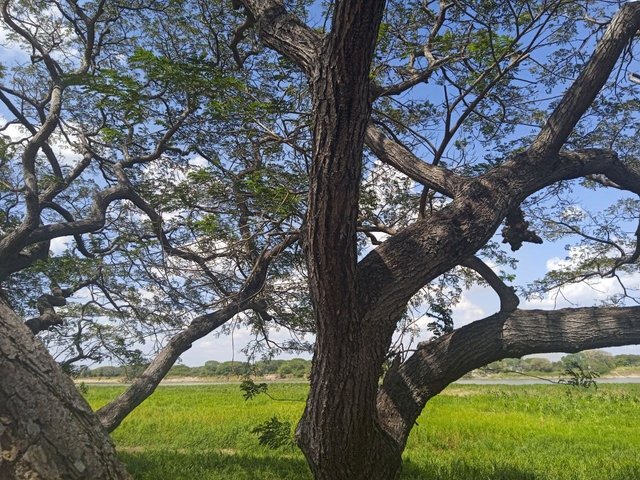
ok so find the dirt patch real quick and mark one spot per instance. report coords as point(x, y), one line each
point(460, 392)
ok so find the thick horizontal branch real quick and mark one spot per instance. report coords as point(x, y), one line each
point(94, 221)
point(23, 259)
point(436, 364)
point(393, 272)
point(66, 214)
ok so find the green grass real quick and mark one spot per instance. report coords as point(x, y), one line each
point(468, 432)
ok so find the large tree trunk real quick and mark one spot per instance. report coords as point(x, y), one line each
point(338, 432)
point(47, 430)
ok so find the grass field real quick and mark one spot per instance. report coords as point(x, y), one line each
point(468, 432)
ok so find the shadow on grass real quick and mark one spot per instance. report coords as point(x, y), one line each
point(172, 465)
point(178, 465)
point(460, 470)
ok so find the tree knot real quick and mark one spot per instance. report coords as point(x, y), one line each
point(516, 230)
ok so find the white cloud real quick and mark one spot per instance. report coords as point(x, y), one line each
point(227, 347)
point(59, 245)
point(198, 162)
point(575, 254)
point(589, 293)
point(573, 213)
point(66, 154)
point(13, 131)
point(468, 311)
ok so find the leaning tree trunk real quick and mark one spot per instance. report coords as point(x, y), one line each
point(47, 430)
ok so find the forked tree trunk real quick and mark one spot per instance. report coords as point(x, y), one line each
point(47, 430)
point(344, 433)
point(339, 432)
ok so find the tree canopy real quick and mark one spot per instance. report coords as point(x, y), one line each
point(335, 170)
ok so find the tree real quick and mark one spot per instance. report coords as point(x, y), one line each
point(538, 365)
point(592, 360)
point(627, 360)
point(119, 103)
point(358, 73)
point(35, 395)
point(358, 302)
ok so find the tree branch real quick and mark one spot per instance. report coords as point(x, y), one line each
point(48, 317)
point(437, 178)
point(113, 413)
point(508, 299)
point(285, 33)
point(592, 78)
point(436, 364)
point(393, 272)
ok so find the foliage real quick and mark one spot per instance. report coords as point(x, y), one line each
point(596, 361)
point(575, 376)
point(188, 132)
point(250, 389)
point(443, 320)
point(173, 152)
point(575, 365)
point(236, 144)
point(274, 433)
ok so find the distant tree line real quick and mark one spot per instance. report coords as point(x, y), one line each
point(597, 361)
point(294, 368)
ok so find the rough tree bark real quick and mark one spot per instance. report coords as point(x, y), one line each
point(351, 429)
point(407, 389)
point(344, 376)
point(47, 430)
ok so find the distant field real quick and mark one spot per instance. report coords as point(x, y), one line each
point(468, 432)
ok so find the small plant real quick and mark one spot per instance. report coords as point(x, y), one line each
point(575, 376)
point(83, 388)
point(274, 433)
